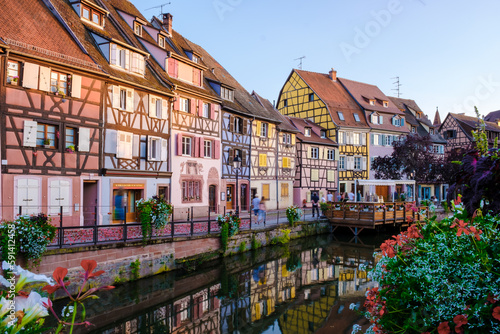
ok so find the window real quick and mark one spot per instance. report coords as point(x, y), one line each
point(314, 153)
point(123, 98)
point(207, 149)
point(264, 129)
point(330, 175)
point(356, 117)
point(323, 134)
point(28, 195)
point(311, 97)
point(227, 94)
point(92, 15)
point(307, 132)
point(59, 196)
point(191, 191)
point(59, 83)
point(161, 41)
point(154, 149)
point(70, 139)
point(124, 145)
point(127, 60)
point(357, 163)
point(342, 162)
point(138, 28)
point(374, 118)
point(386, 104)
point(342, 137)
point(356, 138)
point(285, 103)
point(431, 131)
point(287, 138)
point(314, 175)
point(413, 129)
point(156, 105)
point(195, 59)
point(13, 68)
point(284, 190)
point(372, 102)
point(186, 145)
point(238, 125)
point(262, 160)
point(331, 155)
point(341, 115)
point(206, 110)
point(184, 104)
point(46, 135)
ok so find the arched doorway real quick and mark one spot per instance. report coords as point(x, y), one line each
point(212, 198)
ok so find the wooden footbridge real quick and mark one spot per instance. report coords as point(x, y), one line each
point(358, 216)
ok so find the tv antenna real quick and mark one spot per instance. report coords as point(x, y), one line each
point(300, 63)
point(160, 6)
point(397, 86)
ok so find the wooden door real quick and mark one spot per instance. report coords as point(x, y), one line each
point(212, 198)
point(383, 191)
point(89, 203)
point(229, 197)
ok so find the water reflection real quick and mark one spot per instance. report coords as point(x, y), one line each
point(305, 287)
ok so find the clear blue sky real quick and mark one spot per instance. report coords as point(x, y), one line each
point(446, 53)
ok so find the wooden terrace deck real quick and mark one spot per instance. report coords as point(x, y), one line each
point(359, 215)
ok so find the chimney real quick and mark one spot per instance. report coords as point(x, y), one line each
point(167, 22)
point(333, 74)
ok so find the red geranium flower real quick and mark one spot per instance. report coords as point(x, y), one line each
point(443, 328)
point(59, 274)
point(496, 313)
point(89, 266)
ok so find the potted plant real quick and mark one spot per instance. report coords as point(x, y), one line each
point(293, 214)
point(46, 143)
point(71, 149)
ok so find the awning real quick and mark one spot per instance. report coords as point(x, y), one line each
point(384, 182)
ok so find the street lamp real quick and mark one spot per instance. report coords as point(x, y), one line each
point(237, 166)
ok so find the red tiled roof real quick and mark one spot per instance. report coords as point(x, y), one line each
point(29, 27)
point(334, 95)
point(315, 137)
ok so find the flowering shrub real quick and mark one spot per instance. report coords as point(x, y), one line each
point(293, 214)
point(23, 313)
point(232, 221)
point(439, 277)
point(32, 235)
point(153, 213)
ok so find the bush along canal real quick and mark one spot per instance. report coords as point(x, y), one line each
point(304, 285)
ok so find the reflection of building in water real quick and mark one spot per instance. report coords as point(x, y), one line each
point(194, 314)
point(298, 292)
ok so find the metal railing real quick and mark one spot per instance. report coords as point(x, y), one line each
point(88, 231)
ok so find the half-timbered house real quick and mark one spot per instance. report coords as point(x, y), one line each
point(136, 106)
point(316, 163)
point(50, 96)
point(285, 156)
point(457, 130)
point(196, 117)
point(418, 123)
point(321, 98)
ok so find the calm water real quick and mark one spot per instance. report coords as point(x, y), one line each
point(305, 287)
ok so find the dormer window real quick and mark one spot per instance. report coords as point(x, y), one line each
point(196, 59)
point(91, 14)
point(126, 59)
point(227, 94)
point(323, 133)
point(372, 102)
point(356, 117)
point(138, 28)
point(386, 104)
point(161, 41)
point(431, 131)
point(307, 132)
point(341, 115)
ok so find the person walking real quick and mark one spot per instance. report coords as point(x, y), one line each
point(315, 203)
point(255, 205)
point(262, 211)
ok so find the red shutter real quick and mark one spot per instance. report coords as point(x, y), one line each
point(195, 149)
point(200, 108)
point(202, 147)
point(179, 144)
point(177, 103)
point(192, 107)
point(212, 111)
point(216, 154)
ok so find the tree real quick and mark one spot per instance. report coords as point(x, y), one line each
point(412, 159)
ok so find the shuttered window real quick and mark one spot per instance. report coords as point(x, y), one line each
point(284, 190)
point(28, 196)
point(124, 145)
point(265, 191)
point(314, 175)
point(59, 196)
point(262, 160)
point(330, 175)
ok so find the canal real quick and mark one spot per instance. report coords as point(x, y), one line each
point(305, 286)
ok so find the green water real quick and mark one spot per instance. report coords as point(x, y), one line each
point(304, 287)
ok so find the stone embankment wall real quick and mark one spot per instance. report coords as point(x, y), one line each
point(131, 261)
